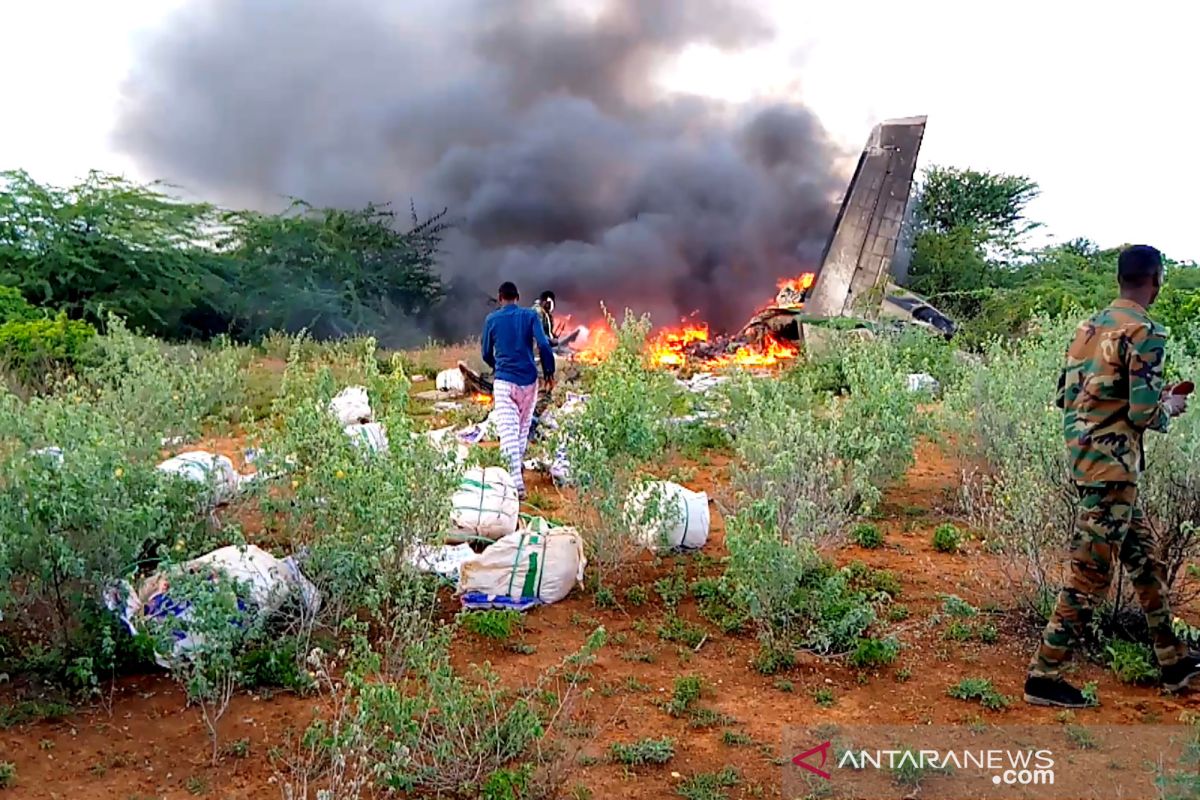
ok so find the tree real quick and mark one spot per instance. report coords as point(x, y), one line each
point(332, 271)
point(968, 226)
point(106, 245)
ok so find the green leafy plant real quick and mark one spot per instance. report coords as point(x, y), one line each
point(1131, 662)
point(980, 689)
point(709, 785)
point(868, 536)
point(643, 752)
point(955, 606)
point(687, 691)
point(497, 624)
point(824, 697)
point(636, 595)
point(947, 539)
point(8, 774)
point(874, 653)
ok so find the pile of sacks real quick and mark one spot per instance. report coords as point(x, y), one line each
point(267, 583)
point(214, 472)
point(352, 408)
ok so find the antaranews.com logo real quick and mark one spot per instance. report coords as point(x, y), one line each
point(1041, 762)
point(1007, 767)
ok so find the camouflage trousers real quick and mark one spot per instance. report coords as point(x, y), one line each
point(1109, 520)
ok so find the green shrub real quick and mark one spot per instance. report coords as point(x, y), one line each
point(982, 690)
point(796, 599)
point(955, 606)
point(15, 308)
point(872, 653)
point(8, 774)
point(507, 784)
point(709, 785)
point(643, 751)
point(947, 539)
point(687, 692)
point(274, 662)
point(497, 624)
point(1131, 662)
point(868, 536)
point(636, 595)
point(34, 347)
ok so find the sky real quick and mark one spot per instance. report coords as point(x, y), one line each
point(1093, 100)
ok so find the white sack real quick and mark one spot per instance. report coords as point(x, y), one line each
point(214, 471)
point(268, 581)
point(485, 503)
point(527, 564)
point(923, 382)
point(678, 516)
point(351, 406)
point(451, 380)
point(370, 435)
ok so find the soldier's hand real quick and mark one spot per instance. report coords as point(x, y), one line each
point(1175, 404)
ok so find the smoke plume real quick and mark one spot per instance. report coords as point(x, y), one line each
point(539, 127)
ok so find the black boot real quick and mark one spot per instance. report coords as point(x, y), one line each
point(1180, 674)
point(1053, 692)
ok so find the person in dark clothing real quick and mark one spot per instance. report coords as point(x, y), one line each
point(509, 335)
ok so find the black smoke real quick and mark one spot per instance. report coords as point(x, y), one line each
point(539, 127)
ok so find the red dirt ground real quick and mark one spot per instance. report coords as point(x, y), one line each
point(147, 744)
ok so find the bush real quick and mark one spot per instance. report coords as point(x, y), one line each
point(867, 536)
point(74, 526)
point(36, 347)
point(15, 308)
point(643, 751)
point(872, 653)
point(820, 460)
point(796, 599)
point(1131, 662)
point(435, 731)
point(622, 425)
point(980, 689)
point(947, 539)
point(493, 624)
point(358, 512)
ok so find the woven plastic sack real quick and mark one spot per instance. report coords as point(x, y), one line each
point(351, 406)
point(370, 435)
point(268, 581)
point(524, 568)
point(212, 470)
point(451, 380)
point(484, 505)
point(667, 516)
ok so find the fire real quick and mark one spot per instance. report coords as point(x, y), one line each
point(667, 348)
point(482, 399)
point(800, 284)
point(773, 352)
point(676, 346)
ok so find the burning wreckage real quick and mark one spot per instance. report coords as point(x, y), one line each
point(864, 257)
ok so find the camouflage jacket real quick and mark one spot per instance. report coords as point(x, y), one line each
point(547, 321)
point(1110, 390)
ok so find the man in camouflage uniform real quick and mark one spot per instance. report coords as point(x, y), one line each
point(1111, 391)
point(544, 307)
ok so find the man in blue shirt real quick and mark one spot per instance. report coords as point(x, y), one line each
point(509, 334)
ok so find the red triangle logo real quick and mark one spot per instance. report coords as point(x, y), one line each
point(801, 759)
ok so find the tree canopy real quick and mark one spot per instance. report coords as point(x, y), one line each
point(178, 269)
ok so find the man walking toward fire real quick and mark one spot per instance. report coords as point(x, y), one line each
point(509, 335)
point(1111, 392)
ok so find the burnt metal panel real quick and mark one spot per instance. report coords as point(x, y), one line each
point(858, 256)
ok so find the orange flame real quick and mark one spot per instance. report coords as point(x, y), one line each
point(667, 347)
point(482, 399)
point(800, 284)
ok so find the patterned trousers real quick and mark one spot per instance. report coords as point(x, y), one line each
point(1109, 520)
point(514, 412)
